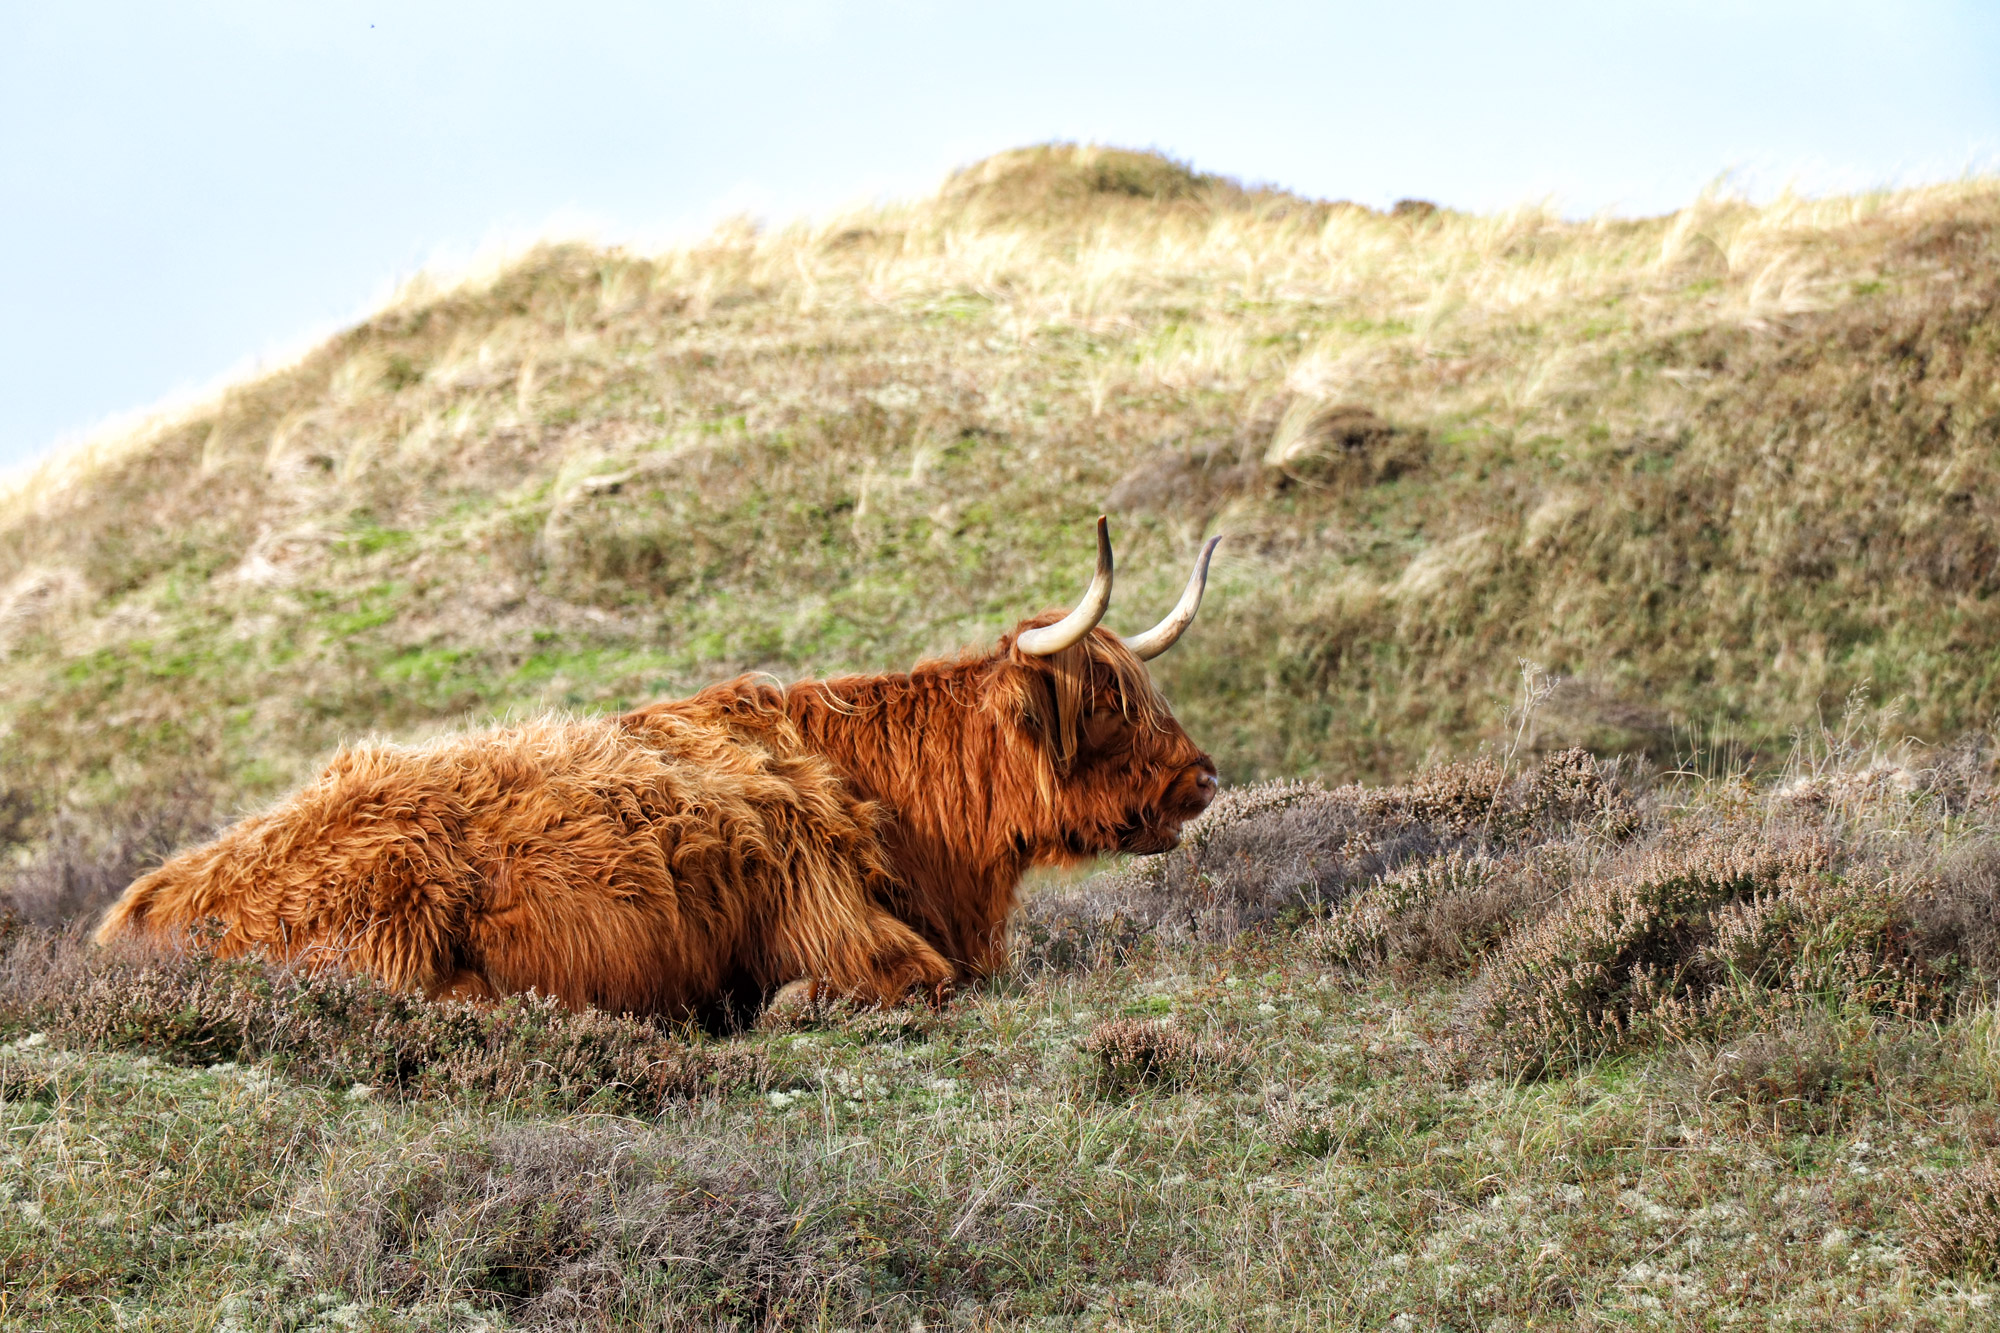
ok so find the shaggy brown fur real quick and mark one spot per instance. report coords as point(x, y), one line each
point(867, 832)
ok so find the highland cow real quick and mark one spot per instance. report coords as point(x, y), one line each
point(865, 835)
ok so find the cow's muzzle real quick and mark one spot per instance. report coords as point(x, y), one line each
point(1190, 793)
point(1195, 788)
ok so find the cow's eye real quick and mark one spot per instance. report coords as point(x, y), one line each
point(1104, 729)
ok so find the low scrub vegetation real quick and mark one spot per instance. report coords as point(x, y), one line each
point(1954, 1221)
point(566, 1225)
point(1135, 1053)
point(1551, 1042)
point(346, 1031)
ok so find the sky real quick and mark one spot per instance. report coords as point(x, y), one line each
point(189, 190)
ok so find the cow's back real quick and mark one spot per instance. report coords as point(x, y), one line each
point(632, 868)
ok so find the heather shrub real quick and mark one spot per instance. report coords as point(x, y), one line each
point(1702, 933)
point(1957, 912)
point(1572, 790)
point(339, 1029)
point(1273, 848)
point(1952, 1221)
point(1568, 791)
point(22, 1082)
point(1257, 852)
point(1804, 1077)
point(86, 858)
point(858, 1022)
point(1959, 777)
point(1303, 1130)
point(1574, 983)
point(1444, 913)
point(1458, 799)
point(566, 1225)
point(1827, 940)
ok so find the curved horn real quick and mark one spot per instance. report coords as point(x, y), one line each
point(1072, 627)
point(1161, 637)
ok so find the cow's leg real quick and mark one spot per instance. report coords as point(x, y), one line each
point(901, 962)
point(797, 994)
point(875, 959)
point(465, 984)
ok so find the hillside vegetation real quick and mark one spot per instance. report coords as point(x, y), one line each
point(1515, 1034)
point(1712, 470)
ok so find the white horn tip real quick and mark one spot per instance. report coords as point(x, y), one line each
point(1079, 622)
point(1163, 635)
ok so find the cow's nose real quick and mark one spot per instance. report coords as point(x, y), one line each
point(1205, 781)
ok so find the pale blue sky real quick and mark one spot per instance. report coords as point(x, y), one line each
point(184, 186)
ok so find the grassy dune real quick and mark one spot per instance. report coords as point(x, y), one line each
point(1712, 470)
point(1694, 1027)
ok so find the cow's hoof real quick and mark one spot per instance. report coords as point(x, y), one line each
point(793, 1003)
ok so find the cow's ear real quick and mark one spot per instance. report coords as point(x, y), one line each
point(1031, 699)
point(1019, 697)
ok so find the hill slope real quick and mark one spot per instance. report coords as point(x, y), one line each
point(1711, 469)
point(1515, 1044)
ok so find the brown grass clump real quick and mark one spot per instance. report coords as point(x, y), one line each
point(1137, 1052)
point(342, 1029)
point(1953, 1221)
point(566, 1225)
